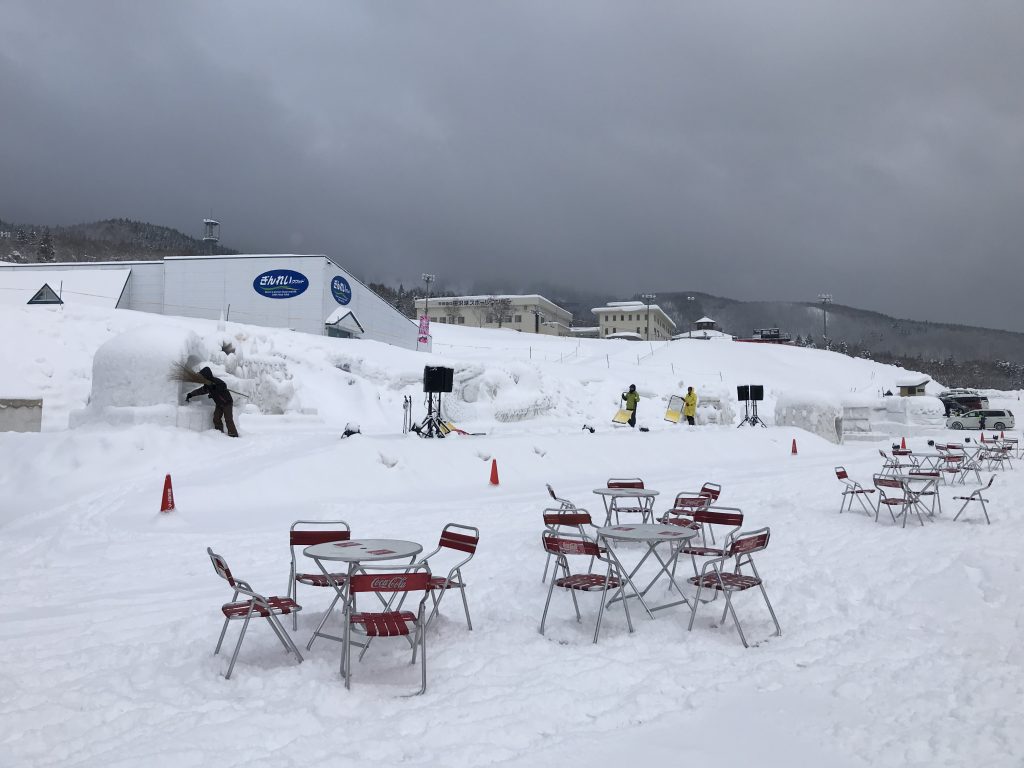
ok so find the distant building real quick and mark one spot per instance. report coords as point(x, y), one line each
point(769, 336)
point(912, 386)
point(647, 321)
point(585, 331)
point(703, 329)
point(529, 313)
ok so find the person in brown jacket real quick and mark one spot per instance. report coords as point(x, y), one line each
point(217, 391)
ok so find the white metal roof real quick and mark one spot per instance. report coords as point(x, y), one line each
point(704, 320)
point(913, 381)
point(630, 306)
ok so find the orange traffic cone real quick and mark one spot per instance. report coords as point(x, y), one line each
point(1001, 435)
point(903, 443)
point(983, 437)
point(494, 471)
point(793, 450)
point(167, 499)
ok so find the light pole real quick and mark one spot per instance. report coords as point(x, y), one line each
point(689, 314)
point(825, 299)
point(648, 297)
point(428, 279)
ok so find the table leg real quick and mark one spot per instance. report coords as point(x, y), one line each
point(664, 569)
point(629, 580)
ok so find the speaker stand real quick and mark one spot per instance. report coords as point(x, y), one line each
point(432, 425)
point(750, 415)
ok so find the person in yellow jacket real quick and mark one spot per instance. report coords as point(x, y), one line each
point(632, 398)
point(690, 406)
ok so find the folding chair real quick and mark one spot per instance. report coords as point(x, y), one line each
point(852, 490)
point(894, 492)
point(452, 540)
point(711, 490)
point(952, 467)
point(387, 579)
point(562, 503)
point(995, 457)
point(716, 574)
point(300, 536)
point(729, 518)
point(564, 546)
point(976, 496)
point(892, 464)
point(556, 520)
point(683, 508)
point(268, 608)
point(641, 508)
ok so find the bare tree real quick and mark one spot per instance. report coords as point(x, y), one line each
point(498, 309)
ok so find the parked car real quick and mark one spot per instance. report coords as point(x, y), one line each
point(973, 420)
point(957, 401)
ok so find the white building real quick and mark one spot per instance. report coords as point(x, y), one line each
point(705, 329)
point(312, 294)
point(530, 313)
point(623, 319)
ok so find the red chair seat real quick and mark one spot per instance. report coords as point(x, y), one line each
point(703, 551)
point(859, 490)
point(588, 581)
point(440, 582)
point(278, 605)
point(387, 624)
point(732, 581)
point(319, 580)
point(682, 522)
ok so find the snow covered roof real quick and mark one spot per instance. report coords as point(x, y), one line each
point(913, 381)
point(630, 306)
point(704, 319)
point(344, 318)
point(90, 287)
point(627, 335)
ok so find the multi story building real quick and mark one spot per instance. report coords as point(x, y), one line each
point(529, 313)
point(634, 320)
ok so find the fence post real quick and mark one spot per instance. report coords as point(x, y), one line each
point(673, 369)
point(531, 353)
point(607, 361)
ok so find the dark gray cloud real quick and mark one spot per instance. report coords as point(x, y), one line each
point(749, 149)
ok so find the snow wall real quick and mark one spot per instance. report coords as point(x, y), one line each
point(815, 412)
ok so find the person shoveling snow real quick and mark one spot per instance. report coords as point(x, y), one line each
point(217, 391)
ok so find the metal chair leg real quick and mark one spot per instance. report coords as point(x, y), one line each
point(238, 646)
point(547, 603)
point(735, 618)
point(220, 640)
point(465, 603)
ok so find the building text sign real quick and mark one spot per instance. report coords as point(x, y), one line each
point(280, 284)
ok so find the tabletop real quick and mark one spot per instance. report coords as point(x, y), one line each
point(646, 532)
point(363, 550)
point(634, 493)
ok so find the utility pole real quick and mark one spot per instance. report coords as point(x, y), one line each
point(825, 299)
point(648, 297)
point(428, 279)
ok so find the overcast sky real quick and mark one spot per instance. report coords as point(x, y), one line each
point(751, 149)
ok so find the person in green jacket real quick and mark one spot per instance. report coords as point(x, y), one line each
point(632, 398)
point(690, 406)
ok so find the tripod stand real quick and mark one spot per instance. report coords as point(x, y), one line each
point(750, 415)
point(432, 424)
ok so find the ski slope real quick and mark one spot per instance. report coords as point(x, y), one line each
point(899, 647)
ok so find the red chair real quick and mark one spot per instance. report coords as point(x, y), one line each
point(683, 509)
point(452, 541)
point(976, 496)
point(711, 490)
point(852, 490)
point(894, 492)
point(643, 507)
point(727, 519)
point(387, 579)
point(563, 547)
point(725, 574)
point(557, 521)
point(305, 533)
point(257, 605)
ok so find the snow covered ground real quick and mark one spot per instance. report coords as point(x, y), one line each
point(899, 647)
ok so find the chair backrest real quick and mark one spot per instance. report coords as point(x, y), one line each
point(415, 578)
point(711, 490)
point(573, 518)
point(884, 483)
point(750, 542)
point(560, 545)
point(303, 536)
point(565, 503)
point(841, 473)
point(220, 565)
point(626, 482)
point(725, 516)
point(685, 503)
point(463, 542)
point(989, 484)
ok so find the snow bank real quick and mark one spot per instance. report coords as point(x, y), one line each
point(817, 412)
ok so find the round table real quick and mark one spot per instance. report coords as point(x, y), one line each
point(651, 534)
point(353, 552)
point(610, 497)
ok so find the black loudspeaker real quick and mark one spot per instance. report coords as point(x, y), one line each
point(437, 379)
point(743, 392)
point(757, 392)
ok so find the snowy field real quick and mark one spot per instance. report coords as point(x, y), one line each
point(899, 647)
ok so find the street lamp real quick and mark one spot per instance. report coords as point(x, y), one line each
point(825, 299)
point(648, 297)
point(689, 314)
point(428, 279)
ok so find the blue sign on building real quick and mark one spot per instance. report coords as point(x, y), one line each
point(280, 284)
point(341, 290)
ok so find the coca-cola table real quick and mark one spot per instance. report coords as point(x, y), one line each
point(354, 552)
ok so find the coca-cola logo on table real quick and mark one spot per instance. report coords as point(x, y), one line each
point(388, 582)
